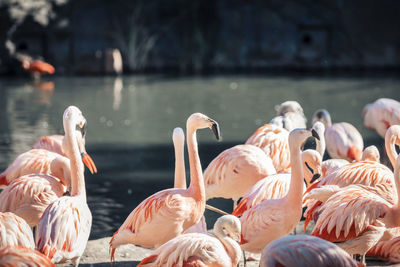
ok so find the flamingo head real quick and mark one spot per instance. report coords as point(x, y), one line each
point(312, 162)
point(288, 106)
point(229, 225)
point(178, 137)
point(201, 121)
point(298, 136)
point(323, 116)
point(73, 117)
point(371, 153)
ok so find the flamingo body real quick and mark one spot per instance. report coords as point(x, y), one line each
point(235, 170)
point(51, 143)
point(38, 66)
point(29, 196)
point(22, 256)
point(14, 231)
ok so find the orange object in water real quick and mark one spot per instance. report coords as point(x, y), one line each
point(38, 66)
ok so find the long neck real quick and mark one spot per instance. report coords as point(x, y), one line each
point(321, 146)
point(180, 176)
point(60, 168)
point(232, 248)
point(77, 169)
point(196, 175)
point(295, 192)
point(390, 149)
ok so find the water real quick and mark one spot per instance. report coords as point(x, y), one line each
point(130, 123)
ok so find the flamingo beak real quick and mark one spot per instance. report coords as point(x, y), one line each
point(87, 160)
point(315, 177)
point(315, 134)
point(215, 129)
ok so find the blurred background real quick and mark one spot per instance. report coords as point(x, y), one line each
point(139, 68)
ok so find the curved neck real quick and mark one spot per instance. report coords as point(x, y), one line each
point(391, 149)
point(77, 169)
point(321, 145)
point(196, 175)
point(180, 176)
point(397, 179)
point(232, 248)
point(295, 192)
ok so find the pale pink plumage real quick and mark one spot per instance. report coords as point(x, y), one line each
point(64, 228)
point(51, 143)
point(235, 170)
point(22, 256)
point(381, 114)
point(304, 250)
point(273, 140)
point(272, 219)
point(29, 195)
point(388, 249)
point(197, 249)
point(277, 185)
point(168, 213)
point(14, 231)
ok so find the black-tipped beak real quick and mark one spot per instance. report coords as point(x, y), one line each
point(315, 177)
point(315, 134)
point(215, 129)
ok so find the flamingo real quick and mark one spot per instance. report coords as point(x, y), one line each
point(22, 256)
point(277, 185)
point(235, 170)
point(343, 140)
point(64, 228)
point(358, 216)
point(201, 249)
point(304, 250)
point(273, 140)
point(168, 213)
point(45, 162)
point(389, 249)
point(14, 231)
point(290, 116)
point(51, 143)
point(381, 114)
point(37, 67)
point(274, 218)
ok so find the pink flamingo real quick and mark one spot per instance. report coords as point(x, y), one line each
point(290, 116)
point(201, 249)
point(274, 218)
point(343, 140)
point(64, 228)
point(51, 143)
point(273, 140)
point(304, 250)
point(388, 249)
point(357, 216)
point(168, 213)
point(45, 162)
point(22, 256)
point(277, 185)
point(14, 231)
point(381, 114)
point(235, 170)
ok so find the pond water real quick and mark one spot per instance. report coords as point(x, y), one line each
point(131, 118)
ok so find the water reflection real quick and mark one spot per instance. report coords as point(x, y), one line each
point(129, 131)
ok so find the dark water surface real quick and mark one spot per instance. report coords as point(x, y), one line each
point(130, 122)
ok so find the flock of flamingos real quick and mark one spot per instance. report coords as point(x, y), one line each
point(352, 197)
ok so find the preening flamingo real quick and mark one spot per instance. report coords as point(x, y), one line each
point(277, 185)
point(273, 140)
point(45, 162)
point(305, 250)
point(14, 231)
point(357, 216)
point(64, 229)
point(235, 170)
point(168, 213)
point(343, 140)
point(272, 219)
point(381, 114)
point(201, 249)
point(22, 256)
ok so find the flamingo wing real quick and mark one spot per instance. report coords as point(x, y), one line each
point(272, 187)
point(32, 161)
point(52, 143)
point(387, 249)
point(274, 141)
point(349, 213)
point(14, 231)
point(29, 195)
point(21, 256)
point(64, 229)
point(179, 250)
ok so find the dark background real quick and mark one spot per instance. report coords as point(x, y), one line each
point(203, 36)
